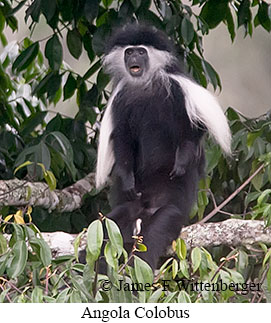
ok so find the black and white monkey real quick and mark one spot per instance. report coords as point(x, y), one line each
point(150, 138)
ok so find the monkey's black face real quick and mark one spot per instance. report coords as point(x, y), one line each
point(136, 60)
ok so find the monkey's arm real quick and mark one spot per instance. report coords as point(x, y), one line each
point(124, 162)
point(184, 156)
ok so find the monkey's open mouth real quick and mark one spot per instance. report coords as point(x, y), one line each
point(135, 70)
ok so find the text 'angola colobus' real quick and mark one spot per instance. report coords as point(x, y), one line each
point(150, 137)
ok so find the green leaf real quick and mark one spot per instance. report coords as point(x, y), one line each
point(34, 11)
point(266, 286)
point(236, 276)
point(91, 10)
point(19, 260)
point(242, 263)
point(18, 234)
point(3, 244)
point(69, 87)
point(141, 247)
point(53, 52)
point(36, 154)
point(27, 163)
point(266, 257)
point(15, 9)
point(264, 196)
point(184, 297)
point(4, 263)
point(181, 250)
point(196, 258)
point(213, 12)
point(184, 268)
point(263, 16)
point(53, 86)
point(212, 156)
point(175, 268)
point(50, 180)
point(45, 253)
point(42, 249)
point(114, 235)
point(26, 57)
point(143, 273)
point(211, 74)
point(48, 9)
point(74, 43)
point(266, 215)
point(244, 13)
point(93, 69)
point(98, 40)
point(250, 197)
point(42, 86)
point(187, 31)
point(42, 155)
point(107, 3)
point(170, 297)
point(88, 47)
point(37, 295)
point(61, 144)
point(111, 256)
point(33, 121)
point(154, 298)
point(63, 296)
point(195, 63)
point(66, 9)
point(95, 238)
point(2, 22)
point(257, 181)
point(230, 24)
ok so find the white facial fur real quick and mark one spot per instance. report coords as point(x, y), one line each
point(115, 66)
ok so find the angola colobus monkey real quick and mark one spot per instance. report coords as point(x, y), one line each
point(150, 137)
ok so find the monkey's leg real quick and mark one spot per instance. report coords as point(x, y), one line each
point(161, 229)
point(125, 216)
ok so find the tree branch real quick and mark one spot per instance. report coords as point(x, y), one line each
point(236, 192)
point(231, 232)
point(17, 192)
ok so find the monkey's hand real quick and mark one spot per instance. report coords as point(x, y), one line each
point(177, 171)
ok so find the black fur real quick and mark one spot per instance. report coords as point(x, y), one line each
point(134, 34)
point(157, 154)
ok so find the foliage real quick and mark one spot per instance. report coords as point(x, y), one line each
point(29, 274)
point(61, 150)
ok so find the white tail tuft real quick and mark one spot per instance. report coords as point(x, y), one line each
point(203, 108)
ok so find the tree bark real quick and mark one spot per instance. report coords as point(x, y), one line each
point(17, 192)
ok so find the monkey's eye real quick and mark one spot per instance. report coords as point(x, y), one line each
point(129, 51)
point(142, 52)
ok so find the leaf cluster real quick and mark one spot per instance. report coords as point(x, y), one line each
point(29, 273)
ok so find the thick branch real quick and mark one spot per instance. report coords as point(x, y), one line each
point(20, 193)
point(230, 232)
